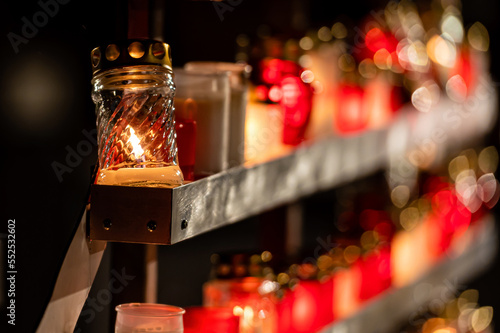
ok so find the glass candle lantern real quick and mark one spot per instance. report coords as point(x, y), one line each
point(148, 317)
point(133, 90)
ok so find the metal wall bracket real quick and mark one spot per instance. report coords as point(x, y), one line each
point(131, 214)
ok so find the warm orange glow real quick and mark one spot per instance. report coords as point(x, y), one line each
point(446, 330)
point(263, 132)
point(410, 257)
point(347, 285)
point(381, 100)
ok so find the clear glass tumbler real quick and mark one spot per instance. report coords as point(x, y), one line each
point(207, 94)
point(238, 79)
point(133, 90)
point(149, 317)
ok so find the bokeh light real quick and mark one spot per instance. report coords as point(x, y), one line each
point(478, 37)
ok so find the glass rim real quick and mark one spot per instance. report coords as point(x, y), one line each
point(218, 66)
point(201, 73)
point(128, 309)
point(145, 69)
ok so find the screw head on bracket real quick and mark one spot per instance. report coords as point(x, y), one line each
point(184, 224)
point(151, 226)
point(107, 224)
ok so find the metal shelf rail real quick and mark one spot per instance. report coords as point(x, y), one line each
point(168, 216)
point(399, 306)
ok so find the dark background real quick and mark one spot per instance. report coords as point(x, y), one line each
point(45, 106)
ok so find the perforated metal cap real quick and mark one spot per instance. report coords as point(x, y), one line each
point(130, 52)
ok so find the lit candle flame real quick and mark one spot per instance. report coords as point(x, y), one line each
point(135, 142)
point(246, 315)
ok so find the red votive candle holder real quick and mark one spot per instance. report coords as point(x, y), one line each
point(347, 282)
point(186, 128)
point(247, 298)
point(375, 272)
point(351, 116)
point(199, 319)
point(296, 102)
point(273, 70)
point(312, 306)
point(284, 312)
point(450, 217)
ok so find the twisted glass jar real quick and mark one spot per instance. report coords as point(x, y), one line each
point(136, 127)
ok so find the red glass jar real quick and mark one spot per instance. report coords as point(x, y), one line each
point(352, 116)
point(296, 102)
point(201, 319)
point(186, 128)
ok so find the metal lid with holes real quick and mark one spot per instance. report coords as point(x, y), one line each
point(130, 52)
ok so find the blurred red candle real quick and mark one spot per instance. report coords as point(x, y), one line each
point(351, 116)
point(375, 272)
point(284, 312)
point(296, 102)
point(210, 320)
point(381, 101)
point(312, 305)
point(465, 67)
point(273, 70)
point(248, 298)
point(347, 282)
point(451, 218)
point(375, 40)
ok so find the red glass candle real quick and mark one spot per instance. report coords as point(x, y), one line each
point(381, 101)
point(284, 312)
point(465, 67)
point(273, 70)
point(347, 282)
point(351, 116)
point(375, 40)
point(450, 218)
point(210, 320)
point(312, 305)
point(247, 298)
point(185, 128)
point(375, 272)
point(296, 102)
